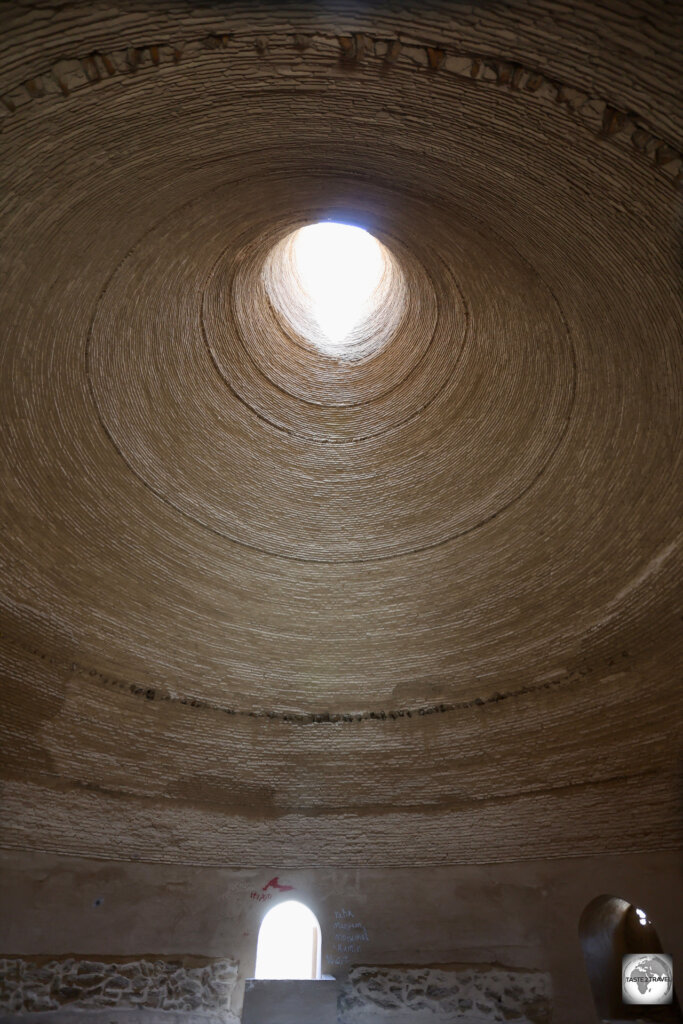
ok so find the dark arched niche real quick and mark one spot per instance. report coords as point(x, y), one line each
point(609, 928)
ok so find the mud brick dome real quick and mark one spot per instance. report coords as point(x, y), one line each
point(265, 605)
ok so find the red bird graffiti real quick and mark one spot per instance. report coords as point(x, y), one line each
point(275, 884)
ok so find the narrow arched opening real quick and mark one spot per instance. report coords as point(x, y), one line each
point(289, 944)
point(612, 929)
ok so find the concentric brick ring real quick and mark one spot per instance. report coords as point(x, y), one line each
point(247, 432)
point(248, 588)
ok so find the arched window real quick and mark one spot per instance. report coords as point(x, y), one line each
point(609, 929)
point(289, 943)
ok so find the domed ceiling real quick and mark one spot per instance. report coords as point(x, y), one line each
point(263, 604)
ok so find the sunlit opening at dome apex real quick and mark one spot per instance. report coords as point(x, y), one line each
point(337, 291)
point(340, 267)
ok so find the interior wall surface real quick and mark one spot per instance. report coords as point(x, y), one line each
point(256, 600)
point(522, 916)
point(405, 630)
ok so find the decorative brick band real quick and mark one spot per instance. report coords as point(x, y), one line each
point(594, 113)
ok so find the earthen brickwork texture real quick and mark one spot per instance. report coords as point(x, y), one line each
point(262, 605)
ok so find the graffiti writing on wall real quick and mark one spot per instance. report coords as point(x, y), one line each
point(265, 893)
point(349, 936)
point(260, 897)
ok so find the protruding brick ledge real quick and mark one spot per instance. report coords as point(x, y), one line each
point(592, 112)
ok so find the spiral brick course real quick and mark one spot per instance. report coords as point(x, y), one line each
point(261, 604)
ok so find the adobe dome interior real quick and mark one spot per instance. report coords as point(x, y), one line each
point(404, 622)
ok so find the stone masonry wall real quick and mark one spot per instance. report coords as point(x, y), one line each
point(401, 995)
point(475, 995)
point(27, 987)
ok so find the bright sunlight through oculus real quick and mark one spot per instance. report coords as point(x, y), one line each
point(339, 267)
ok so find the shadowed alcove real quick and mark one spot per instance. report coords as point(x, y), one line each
point(609, 929)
